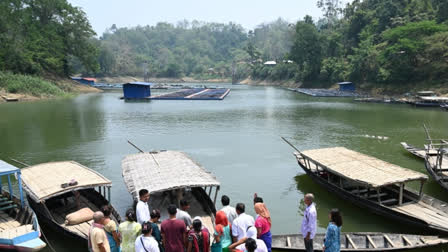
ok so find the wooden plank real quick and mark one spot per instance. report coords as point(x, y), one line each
point(371, 241)
point(408, 242)
point(350, 241)
point(288, 241)
point(389, 240)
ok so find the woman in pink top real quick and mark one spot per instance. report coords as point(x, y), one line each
point(263, 224)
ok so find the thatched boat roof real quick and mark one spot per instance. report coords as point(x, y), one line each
point(43, 181)
point(162, 171)
point(360, 167)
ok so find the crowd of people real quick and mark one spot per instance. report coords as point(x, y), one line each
point(234, 230)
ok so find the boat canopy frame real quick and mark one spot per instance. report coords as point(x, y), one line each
point(159, 171)
point(7, 170)
point(313, 165)
point(40, 187)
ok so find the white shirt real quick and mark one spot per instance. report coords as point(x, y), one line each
point(184, 216)
point(240, 225)
point(230, 213)
point(309, 222)
point(261, 246)
point(142, 210)
point(150, 244)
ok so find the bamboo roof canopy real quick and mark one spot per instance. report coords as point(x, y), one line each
point(162, 171)
point(43, 181)
point(360, 167)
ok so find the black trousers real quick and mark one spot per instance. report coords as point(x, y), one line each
point(308, 245)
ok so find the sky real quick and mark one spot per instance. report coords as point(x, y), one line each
point(249, 13)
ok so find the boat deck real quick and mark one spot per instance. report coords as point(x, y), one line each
point(11, 228)
point(60, 213)
point(194, 94)
point(433, 160)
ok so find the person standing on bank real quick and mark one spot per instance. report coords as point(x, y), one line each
point(155, 217)
point(240, 224)
point(333, 234)
point(229, 210)
point(129, 230)
point(98, 241)
point(145, 242)
point(309, 222)
point(182, 213)
point(174, 232)
point(263, 224)
point(142, 209)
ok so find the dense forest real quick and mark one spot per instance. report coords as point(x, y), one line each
point(374, 41)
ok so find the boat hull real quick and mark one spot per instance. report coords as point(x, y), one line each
point(435, 176)
point(44, 216)
point(372, 206)
point(361, 241)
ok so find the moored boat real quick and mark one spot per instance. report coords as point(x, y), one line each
point(360, 241)
point(19, 228)
point(170, 176)
point(375, 184)
point(436, 163)
point(57, 189)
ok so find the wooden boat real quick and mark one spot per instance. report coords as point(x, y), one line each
point(170, 176)
point(418, 152)
point(52, 198)
point(436, 163)
point(19, 228)
point(375, 184)
point(357, 241)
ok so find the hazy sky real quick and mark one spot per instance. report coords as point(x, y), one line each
point(249, 13)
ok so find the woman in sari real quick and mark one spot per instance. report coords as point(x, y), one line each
point(111, 228)
point(130, 230)
point(198, 237)
point(263, 224)
point(223, 228)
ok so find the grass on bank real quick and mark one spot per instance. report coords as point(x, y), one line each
point(26, 84)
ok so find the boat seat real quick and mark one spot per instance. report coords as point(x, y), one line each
point(8, 207)
point(356, 191)
point(389, 201)
point(376, 195)
point(6, 203)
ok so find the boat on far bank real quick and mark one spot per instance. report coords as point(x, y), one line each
point(57, 189)
point(360, 241)
point(19, 228)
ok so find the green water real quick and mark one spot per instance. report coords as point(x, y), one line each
point(237, 139)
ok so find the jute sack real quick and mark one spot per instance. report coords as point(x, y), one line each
point(80, 216)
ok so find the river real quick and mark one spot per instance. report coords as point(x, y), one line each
point(237, 139)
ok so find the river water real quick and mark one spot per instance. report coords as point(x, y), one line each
point(237, 139)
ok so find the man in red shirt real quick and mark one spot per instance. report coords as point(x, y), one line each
point(174, 232)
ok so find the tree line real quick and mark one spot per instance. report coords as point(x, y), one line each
point(377, 41)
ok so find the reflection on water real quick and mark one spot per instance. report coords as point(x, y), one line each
point(237, 139)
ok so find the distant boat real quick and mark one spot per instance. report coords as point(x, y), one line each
point(360, 241)
point(19, 228)
point(51, 194)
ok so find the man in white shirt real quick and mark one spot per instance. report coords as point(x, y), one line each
point(230, 211)
point(142, 209)
point(241, 223)
point(145, 242)
point(257, 245)
point(182, 213)
point(309, 222)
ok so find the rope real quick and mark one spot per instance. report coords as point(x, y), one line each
point(46, 240)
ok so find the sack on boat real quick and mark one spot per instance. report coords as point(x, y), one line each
point(80, 216)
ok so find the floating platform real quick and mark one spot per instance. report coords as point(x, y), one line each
point(317, 92)
point(194, 94)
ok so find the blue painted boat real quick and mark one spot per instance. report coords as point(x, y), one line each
point(19, 228)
